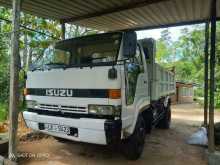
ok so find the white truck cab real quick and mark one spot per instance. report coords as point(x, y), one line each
point(102, 89)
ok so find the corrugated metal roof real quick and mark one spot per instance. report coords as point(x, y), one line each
point(109, 15)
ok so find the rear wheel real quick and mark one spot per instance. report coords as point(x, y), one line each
point(217, 138)
point(134, 145)
point(164, 123)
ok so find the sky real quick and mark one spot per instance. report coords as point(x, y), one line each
point(155, 33)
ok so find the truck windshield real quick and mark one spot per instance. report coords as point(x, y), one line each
point(100, 49)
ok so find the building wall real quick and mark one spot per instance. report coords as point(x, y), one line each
point(184, 93)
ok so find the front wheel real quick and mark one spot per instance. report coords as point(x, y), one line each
point(164, 123)
point(134, 145)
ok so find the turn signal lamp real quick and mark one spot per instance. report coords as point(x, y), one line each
point(114, 93)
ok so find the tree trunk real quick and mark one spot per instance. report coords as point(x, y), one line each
point(29, 59)
point(25, 51)
point(63, 31)
point(14, 80)
point(77, 31)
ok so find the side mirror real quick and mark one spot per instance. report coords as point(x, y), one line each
point(129, 44)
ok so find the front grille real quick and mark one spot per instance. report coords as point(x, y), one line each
point(49, 107)
point(70, 114)
point(63, 108)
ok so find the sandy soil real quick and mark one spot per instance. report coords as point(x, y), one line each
point(163, 147)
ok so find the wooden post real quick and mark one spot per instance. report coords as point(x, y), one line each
point(14, 80)
point(63, 29)
point(211, 146)
point(206, 74)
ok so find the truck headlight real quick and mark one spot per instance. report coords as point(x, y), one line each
point(31, 104)
point(104, 110)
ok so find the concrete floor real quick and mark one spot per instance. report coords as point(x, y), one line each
point(163, 147)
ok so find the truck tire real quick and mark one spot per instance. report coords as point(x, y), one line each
point(134, 145)
point(165, 121)
point(217, 138)
point(148, 118)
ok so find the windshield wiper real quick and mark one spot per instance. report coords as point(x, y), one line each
point(91, 64)
point(54, 65)
point(36, 68)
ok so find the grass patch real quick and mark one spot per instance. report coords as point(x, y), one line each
point(3, 112)
point(200, 101)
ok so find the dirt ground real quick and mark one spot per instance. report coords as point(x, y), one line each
point(163, 147)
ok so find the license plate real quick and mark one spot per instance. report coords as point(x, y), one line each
point(57, 128)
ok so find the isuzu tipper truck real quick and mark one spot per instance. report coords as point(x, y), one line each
point(103, 89)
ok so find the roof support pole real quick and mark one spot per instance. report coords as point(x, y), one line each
point(206, 74)
point(14, 80)
point(63, 31)
point(211, 146)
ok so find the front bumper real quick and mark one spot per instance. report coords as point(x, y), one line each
point(96, 131)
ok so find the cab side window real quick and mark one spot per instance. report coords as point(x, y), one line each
point(133, 67)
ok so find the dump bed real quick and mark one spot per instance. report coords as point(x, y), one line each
point(164, 82)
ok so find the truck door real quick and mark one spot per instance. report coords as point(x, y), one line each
point(136, 89)
point(134, 70)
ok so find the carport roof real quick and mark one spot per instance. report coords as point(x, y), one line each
point(110, 15)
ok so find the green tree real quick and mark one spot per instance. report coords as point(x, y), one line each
point(32, 44)
point(164, 48)
point(188, 52)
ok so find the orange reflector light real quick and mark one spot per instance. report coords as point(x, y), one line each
point(25, 91)
point(114, 93)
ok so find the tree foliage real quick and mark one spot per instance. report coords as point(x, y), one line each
point(37, 35)
point(187, 56)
